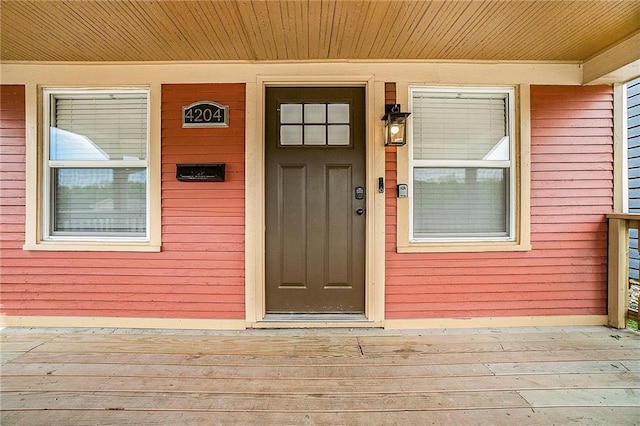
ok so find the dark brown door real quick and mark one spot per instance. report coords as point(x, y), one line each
point(315, 200)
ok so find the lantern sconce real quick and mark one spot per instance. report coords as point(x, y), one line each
point(395, 125)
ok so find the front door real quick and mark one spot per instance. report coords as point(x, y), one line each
point(315, 200)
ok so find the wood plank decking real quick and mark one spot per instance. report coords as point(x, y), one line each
point(585, 375)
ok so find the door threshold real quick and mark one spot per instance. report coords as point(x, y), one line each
point(316, 321)
point(314, 318)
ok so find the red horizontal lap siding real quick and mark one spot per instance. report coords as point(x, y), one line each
point(203, 222)
point(571, 191)
point(200, 271)
point(12, 171)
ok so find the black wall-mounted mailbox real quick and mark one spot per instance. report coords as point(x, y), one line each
point(211, 172)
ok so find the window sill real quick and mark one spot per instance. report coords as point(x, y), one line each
point(462, 247)
point(104, 246)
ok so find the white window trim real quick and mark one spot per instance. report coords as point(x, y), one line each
point(37, 234)
point(519, 209)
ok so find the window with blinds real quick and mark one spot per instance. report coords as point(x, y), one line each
point(461, 164)
point(95, 168)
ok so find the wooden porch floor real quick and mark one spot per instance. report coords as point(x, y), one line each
point(523, 376)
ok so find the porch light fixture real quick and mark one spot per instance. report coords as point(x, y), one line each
point(395, 125)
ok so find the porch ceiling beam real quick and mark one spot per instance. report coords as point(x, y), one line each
point(617, 64)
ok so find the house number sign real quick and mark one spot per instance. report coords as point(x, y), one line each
point(205, 114)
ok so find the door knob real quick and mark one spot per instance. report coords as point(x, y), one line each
point(360, 211)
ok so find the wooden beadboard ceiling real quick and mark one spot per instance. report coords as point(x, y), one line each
point(155, 30)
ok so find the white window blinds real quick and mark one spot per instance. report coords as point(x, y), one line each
point(102, 127)
point(460, 202)
point(461, 165)
point(97, 164)
point(449, 126)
